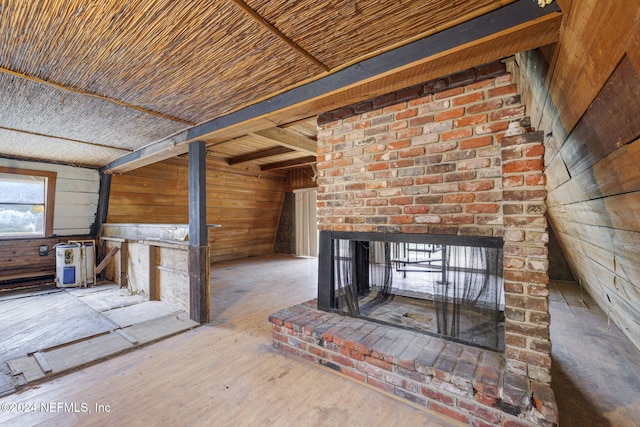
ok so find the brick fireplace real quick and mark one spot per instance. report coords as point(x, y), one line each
point(433, 160)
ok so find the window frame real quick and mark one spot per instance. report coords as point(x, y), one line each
point(49, 199)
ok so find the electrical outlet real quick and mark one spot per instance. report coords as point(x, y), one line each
point(44, 250)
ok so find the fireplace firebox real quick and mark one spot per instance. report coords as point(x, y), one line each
point(442, 285)
point(431, 211)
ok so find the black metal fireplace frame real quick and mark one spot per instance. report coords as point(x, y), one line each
point(326, 288)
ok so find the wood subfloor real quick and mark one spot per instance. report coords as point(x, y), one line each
point(59, 318)
point(595, 372)
point(36, 320)
point(225, 373)
point(228, 373)
point(46, 322)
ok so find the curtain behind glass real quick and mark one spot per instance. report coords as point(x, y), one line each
point(471, 279)
point(467, 299)
point(381, 268)
point(345, 288)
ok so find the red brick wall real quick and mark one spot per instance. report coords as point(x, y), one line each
point(433, 159)
point(526, 264)
point(431, 164)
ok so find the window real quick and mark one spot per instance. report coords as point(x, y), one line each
point(26, 202)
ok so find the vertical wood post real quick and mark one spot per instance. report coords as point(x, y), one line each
point(103, 201)
point(154, 294)
point(101, 215)
point(198, 239)
point(123, 280)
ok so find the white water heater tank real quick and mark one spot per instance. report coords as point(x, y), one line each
point(68, 266)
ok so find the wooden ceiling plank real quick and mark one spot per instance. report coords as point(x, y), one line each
point(303, 161)
point(514, 28)
point(275, 31)
point(289, 139)
point(256, 155)
point(307, 127)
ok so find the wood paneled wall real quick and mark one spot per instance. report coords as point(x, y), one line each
point(245, 202)
point(76, 202)
point(585, 95)
point(21, 264)
point(301, 178)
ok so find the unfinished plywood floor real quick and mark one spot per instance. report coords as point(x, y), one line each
point(223, 373)
point(596, 369)
point(56, 324)
point(33, 321)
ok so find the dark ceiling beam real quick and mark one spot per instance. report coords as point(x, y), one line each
point(275, 31)
point(262, 154)
point(165, 149)
point(289, 164)
point(514, 28)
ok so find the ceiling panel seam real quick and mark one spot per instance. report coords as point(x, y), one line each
point(93, 95)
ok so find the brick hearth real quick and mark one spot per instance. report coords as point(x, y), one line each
point(464, 383)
